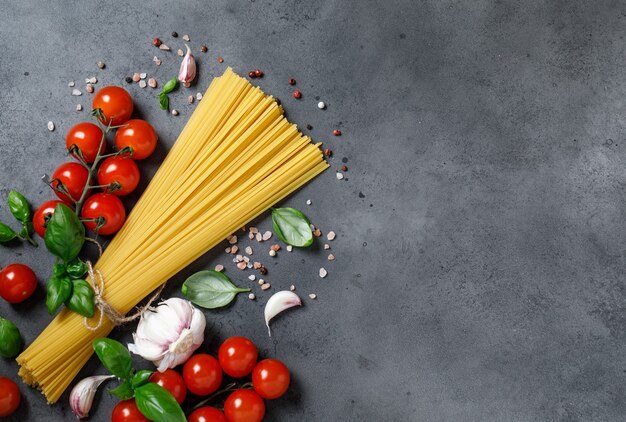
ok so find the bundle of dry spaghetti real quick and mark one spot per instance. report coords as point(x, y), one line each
point(236, 157)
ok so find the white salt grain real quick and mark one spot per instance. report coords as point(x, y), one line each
point(272, 252)
point(321, 105)
point(251, 277)
point(289, 248)
point(292, 288)
point(76, 92)
point(248, 250)
point(50, 126)
point(267, 235)
point(331, 235)
point(219, 268)
point(251, 296)
point(323, 272)
point(339, 176)
point(313, 296)
point(266, 286)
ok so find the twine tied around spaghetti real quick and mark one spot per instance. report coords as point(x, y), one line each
point(105, 308)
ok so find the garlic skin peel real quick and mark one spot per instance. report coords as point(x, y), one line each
point(168, 334)
point(279, 302)
point(81, 397)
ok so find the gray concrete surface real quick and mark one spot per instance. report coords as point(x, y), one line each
point(481, 230)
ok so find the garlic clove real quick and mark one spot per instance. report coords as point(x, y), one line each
point(278, 303)
point(187, 72)
point(81, 397)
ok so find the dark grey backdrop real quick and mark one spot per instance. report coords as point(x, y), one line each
point(481, 233)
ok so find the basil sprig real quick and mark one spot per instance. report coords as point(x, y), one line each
point(10, 339)
point(157, 404)
point(19, 207)
point(210, 289)
point(292, 227)
point(164, 100)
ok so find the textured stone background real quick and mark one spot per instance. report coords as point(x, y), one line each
point(481, 229)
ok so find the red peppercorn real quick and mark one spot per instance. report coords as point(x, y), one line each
point(220, 60)
point(204, 48)
point(258, 73)
point(328, 152)
point(291, 81)
point(344, 168)
point(252, 75)
point(156, 42)
point(297, 94)
point(337, 132)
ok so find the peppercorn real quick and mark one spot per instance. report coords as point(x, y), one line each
point(344, 168)
point(252, 75)
point(328, 152)
point(174, 34)
point(297, 94)
point(204, 48)
point(291, 81)
point(309, 127)
point(128, 80)
point(156, 42)
point(220, 60)
point(263, 270)
point(337, 132)
point(258, 73)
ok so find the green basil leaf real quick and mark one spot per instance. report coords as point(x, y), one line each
point(19, 207)
point(65, 234)
point(157, 404)
point(76, 269)
point(6, 233)
point(164, 101)
point(82, 299)
point(140, 378)
point(114, 356)
point(59, 290)
point(292, 227)
point(210, 289)
point(10, 339)
point(58, 270)
point(170, 86)
point(124, 391)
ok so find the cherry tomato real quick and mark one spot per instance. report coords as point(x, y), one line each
point(244, 405)
point(270, 378)
point(115, 103)
point(173, 382)
point(105, 206)
point(17, 283)
point(202, 374)
point(10, 397)
point(237, 356)
point(87, 137)
point(74, 177)
point(127, 411)
point(122, 170)
point(207, 414)
point(45, 210)
point(139, 135)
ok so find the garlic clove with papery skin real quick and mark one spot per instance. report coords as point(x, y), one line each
point(279, 302)
point(81, 397)
point(187, 72)
point(168, 334)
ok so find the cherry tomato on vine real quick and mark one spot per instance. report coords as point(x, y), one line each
point(127, 411)
point(122, 170)
point(139, 135)
point(202, 374)
point(244, 405)
point(106, 207)
point(207, 414)
point(87, 137)
point(45, 210)
point(173, 382)
point(270, 378)
point(10, 397)
point(115, 103)
point(74, 177)
point(17, 283)
point(237, 356)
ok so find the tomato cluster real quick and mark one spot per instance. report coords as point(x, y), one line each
point(117, 175)
point(202, 375)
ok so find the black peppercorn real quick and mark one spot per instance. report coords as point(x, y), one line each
point(175, 34)
point(128, 80)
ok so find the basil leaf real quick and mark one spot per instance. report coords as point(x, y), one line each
point(164, 101)
point(6, 233)
point(59, 290)
point(10, 339)
point(170, 86)
point(76, 269)
point(210, 289)
point(82, 299)
point(140, 378)
point(19, 207)
point(65, 234)
point(114, 356)
point(124, 391)
point(292, 227)
point(157, 404)
point(58, 270)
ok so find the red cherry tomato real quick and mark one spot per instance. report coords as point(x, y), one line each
point(237, 356)
point(74, 177)
point(202, 374)
point(43, 213)
point(115, 103)
point(139, 135)
point(122, 170)
point(10, 397)
point(244, 405)
point(17, 283)
point(87, 137)
point(173, 382)
point(207, 414)
point(270, 378)
point(107, 207)
point(127, 411)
